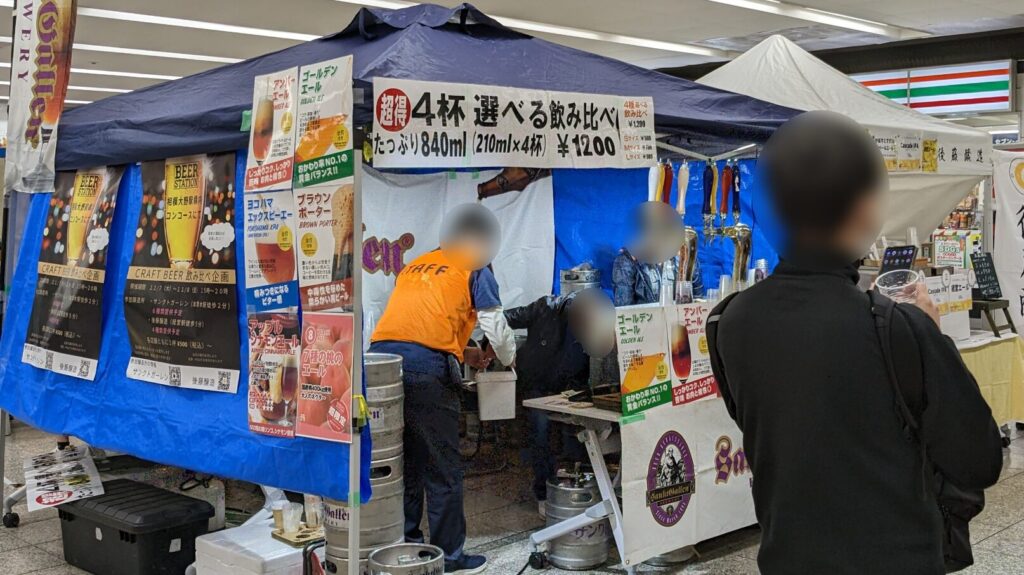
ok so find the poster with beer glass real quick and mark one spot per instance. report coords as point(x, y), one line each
point(272, 134)
point(64, 334)
point(325, 377)
point(270, 275)
point(692, 378)
point(179, 300)
point(324, 186)
point(273, 372)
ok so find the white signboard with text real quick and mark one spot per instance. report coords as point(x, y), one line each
point(438, 124)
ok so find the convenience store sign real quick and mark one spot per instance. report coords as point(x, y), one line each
point(981, 87)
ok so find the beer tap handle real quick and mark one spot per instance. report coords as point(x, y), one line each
point(736, 192)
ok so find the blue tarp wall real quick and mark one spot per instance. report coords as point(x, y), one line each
point(593, 208)
point(199, 430)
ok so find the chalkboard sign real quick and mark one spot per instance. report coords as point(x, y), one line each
point(985, 272)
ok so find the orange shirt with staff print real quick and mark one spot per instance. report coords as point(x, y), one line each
point(430, 306)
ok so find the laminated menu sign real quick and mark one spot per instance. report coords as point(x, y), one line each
point(272, 133)
point(179, 300)
point(642, 339)
point(273, 373)
point(323, 152)
point(435, 124)
point(325, 377)
point(692, 378)
point(64, 330)
point(270, 274)
point(59, 477)
point(326, 249)
point(909, 153)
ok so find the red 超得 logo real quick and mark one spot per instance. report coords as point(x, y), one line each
point(392, 110)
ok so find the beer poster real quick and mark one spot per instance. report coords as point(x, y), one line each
point(64, 333)
point(273, 373)
point(179, 299)
point(43, 34)
point(642, 338)
point(270, 274)
point(272, 133)
point(323, 152)
point(325, 377)
point(692, 377)
point(326, 246)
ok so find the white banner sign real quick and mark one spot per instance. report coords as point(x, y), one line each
point(43, 35)
point(435, 124)
point(685, 478)
point(403, 215)
point(1008, 254)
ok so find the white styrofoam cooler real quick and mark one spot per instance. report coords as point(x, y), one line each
point(246, 550)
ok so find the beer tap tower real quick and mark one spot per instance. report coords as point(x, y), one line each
point(738, 232)
point(688, 251)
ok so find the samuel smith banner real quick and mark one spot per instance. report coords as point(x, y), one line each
point(41, 62)
point(435, 124)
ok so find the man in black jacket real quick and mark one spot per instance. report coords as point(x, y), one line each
point(838, 487)
point(549, 362)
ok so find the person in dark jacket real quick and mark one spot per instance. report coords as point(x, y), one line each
point(551, 361)
point(838, 488)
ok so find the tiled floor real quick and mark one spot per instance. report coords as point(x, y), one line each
point(502, 514)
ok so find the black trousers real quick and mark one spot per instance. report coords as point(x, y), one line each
point(433, 464)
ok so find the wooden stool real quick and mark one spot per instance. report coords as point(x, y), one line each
point(988, 306)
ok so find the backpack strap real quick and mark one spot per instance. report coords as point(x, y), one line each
point(906, 377)
point(711, 331)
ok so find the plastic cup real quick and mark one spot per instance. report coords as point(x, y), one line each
point(277, 508)
point(292, 517)
point(899, 285)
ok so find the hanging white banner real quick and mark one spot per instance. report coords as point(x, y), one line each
point(1008, 252)
point(43, 34)
point(403, 215)
point(443, 125)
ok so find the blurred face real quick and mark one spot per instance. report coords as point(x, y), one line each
point(861, 227)
point(592, 321)
point(470, 236)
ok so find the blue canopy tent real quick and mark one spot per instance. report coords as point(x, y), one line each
point(203, 113)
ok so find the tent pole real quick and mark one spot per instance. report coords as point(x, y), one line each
point(355, 448)
point(681, 151)
point(737, 152)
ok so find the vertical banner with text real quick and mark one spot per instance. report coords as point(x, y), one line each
point(64, 333)
point(179, 299)
point(1008, 251)
point(324, 192)
point(43, 35)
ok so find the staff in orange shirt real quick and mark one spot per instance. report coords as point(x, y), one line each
point(438, 298)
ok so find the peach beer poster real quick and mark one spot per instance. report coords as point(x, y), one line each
point(272, 135)
point(325, 377)
point(179, 301)
point(324, 192)
point(64, 331)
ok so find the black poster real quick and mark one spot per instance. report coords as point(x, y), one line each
point(180, 297)
point(64, 334)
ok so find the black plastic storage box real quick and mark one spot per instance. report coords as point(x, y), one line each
point(133, 529)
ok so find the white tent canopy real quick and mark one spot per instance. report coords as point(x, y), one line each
point(933, 163)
